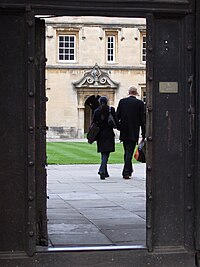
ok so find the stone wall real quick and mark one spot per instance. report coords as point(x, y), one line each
point(65, 116)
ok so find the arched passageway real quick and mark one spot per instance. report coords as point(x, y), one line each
point(90, 105)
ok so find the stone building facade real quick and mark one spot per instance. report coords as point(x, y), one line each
point(88, 57)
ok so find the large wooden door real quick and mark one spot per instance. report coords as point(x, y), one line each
point(197, 109)
point(40, 134)
point(170, 132)
point(13, 167)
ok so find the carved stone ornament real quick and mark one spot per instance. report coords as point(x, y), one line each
point(96, 78)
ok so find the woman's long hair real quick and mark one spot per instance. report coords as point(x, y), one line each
point(103, 100)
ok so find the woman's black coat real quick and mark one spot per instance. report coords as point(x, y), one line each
point(106, 137)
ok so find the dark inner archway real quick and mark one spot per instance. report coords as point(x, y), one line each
point(90, 105)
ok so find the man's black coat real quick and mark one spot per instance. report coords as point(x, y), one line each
point(130, 113)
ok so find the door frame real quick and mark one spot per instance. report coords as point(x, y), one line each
point(168, 256)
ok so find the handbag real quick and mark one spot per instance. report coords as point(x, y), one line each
point(111, 120)
point(140, 152)
point(92, 133)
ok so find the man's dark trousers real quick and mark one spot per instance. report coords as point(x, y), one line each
point(129, 147)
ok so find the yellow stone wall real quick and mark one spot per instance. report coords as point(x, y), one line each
point(64, 118)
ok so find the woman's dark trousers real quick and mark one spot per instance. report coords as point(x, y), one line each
point(104, 160)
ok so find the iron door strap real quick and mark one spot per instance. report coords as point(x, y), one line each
point(191, 109)
point(31, 225)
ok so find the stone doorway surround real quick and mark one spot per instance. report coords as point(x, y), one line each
point(95, 82)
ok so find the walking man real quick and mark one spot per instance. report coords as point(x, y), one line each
point(130, 113)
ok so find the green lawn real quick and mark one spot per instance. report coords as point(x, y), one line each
point(79, 153)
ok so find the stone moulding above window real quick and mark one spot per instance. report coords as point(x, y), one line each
point(96, 78)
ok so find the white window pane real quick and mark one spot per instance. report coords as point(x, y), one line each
point(110, 48)
point(144, 48)
point(66, 47)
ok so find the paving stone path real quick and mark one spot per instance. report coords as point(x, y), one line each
point(86, 211)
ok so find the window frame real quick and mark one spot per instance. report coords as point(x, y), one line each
point(114, 35)
point(143, 35)
point(75, 48)
point(143, 93)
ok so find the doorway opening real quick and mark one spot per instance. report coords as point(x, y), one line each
point(90, 105)
point(83, 210)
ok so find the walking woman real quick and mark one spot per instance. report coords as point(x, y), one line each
point(106, 137)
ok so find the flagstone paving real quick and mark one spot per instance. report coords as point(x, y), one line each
point(86, 211)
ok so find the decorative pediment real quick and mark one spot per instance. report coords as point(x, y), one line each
point(96, 78)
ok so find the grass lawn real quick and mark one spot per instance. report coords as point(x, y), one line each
point(80, 153)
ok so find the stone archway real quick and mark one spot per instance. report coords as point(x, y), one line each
point(94, 83)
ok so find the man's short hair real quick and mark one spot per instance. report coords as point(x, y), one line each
point(133, 91)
